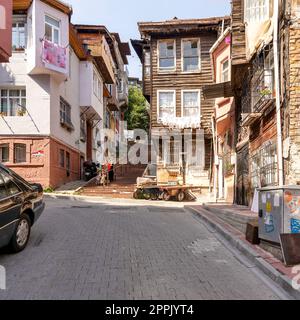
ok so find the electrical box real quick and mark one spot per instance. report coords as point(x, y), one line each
point(279, 212)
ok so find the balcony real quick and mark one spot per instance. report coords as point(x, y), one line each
point(261, 96)
point(102, 55)
point(112, 104)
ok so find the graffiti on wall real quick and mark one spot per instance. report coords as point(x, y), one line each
point(292, 203)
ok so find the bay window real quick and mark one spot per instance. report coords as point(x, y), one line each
point(191, 103)
point(257, 10)
point(13, 102)
point(52, 30)
point(191, 55)
point(166, 104)
point(166, 51)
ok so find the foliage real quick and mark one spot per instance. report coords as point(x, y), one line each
point(48, 190)
point(137, 116)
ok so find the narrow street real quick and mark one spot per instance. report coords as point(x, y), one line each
point(81, 250)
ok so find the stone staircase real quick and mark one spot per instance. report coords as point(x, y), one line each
point(122, 187)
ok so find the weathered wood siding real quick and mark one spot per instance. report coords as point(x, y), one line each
point(238, 33)
point(177, 80)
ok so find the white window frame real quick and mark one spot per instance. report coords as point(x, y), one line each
point(20, 97)
point(224, 70)
point(249, 17)
point(199, 55)
point(97, 85)
point(199, 99)
point(53, 28)
point(158, 106)
point(164, 69)
point(20, 19)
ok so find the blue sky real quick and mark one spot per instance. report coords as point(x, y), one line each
point(122, 16)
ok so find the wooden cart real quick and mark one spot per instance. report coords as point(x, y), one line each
point(166, 184)
point(165, 192)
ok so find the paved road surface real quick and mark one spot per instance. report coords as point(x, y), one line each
point(81, 250)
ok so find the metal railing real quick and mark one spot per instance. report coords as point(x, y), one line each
point(262, 89)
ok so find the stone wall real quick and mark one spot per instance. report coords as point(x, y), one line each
point(292, 107)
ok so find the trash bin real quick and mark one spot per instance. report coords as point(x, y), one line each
point(279, 212)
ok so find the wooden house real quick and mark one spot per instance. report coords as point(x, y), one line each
point(176, 65)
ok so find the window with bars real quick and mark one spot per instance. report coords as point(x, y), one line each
point(191, 103)
point(4, 152)
point(256, 11)
point(166, 50)
point(13, 102)
point(264, 166)
point(166, 104)
point(19, 153)
point(191, 55)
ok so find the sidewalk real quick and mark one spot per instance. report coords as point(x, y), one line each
point(216, 215)
point(235, 215)
point(71, 187)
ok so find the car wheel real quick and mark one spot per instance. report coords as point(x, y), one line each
point(21, 235)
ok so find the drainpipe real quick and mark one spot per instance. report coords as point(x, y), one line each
point(277, 88)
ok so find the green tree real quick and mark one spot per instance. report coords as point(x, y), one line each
point(137, 116)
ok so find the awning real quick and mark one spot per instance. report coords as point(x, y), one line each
point(217, 90)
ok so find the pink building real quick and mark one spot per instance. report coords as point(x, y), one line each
point(223, 119)
point(5, 30)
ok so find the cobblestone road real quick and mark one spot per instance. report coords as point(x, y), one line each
point(82, 250)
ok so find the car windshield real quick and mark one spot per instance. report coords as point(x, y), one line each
point(17, 177)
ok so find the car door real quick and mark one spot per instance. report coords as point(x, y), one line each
point(10, 206)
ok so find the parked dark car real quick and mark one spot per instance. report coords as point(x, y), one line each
point(21, 204)
point(90, 170)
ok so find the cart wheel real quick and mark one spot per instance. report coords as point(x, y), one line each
point(154, 196)
point(180, 196)
point(135, 195)
point(166, 196)
point(146, 195)
point(161, 195)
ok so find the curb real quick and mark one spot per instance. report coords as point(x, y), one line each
point(74, 197)
point(280, 279)
point(236, 217)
